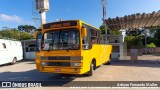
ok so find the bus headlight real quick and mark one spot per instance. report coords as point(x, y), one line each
point(43, 63)
point(77, 64)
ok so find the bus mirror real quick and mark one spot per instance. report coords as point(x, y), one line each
point(84, 32)
point(36, 32)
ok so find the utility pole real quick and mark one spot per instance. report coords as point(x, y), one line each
point(104, 9)
point(42, 6)
point(104, 17)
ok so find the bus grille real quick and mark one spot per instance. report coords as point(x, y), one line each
point(57, 64)
point(61, 58)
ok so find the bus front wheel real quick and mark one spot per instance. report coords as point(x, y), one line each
point(90, 73)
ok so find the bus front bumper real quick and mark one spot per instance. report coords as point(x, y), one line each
point(67, 70)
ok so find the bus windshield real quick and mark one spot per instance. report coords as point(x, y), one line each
point(67, 39)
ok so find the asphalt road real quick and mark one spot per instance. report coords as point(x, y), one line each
point(125, 70)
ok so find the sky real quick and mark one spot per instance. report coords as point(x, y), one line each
point(19, 12)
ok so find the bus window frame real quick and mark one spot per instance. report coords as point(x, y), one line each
point(50, 30)
point(38, 34)
point(88, 36)
point(98, 36)
point(94, 34)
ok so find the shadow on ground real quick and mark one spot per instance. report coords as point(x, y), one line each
point(36, 76)
point(137, 63)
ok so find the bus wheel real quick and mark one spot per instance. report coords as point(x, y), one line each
point(14, 60)
point(108, 63)
point(90, 73)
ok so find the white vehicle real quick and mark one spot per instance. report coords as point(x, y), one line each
point(10, 51)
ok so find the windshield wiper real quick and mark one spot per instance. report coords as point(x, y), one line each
point(67, 48)
point(52, 42)
point(48, 50)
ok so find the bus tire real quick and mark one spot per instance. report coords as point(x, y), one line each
point(14, 60)
point(90, 73)
point(108, 62)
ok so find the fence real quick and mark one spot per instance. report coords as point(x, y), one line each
point(151, 50)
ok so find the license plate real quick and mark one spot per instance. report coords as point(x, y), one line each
point(57, 70)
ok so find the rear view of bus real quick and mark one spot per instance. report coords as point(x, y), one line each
point(65, 47)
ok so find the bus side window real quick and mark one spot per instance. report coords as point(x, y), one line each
point(99, 37)
point(94, 37)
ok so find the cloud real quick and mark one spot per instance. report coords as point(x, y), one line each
point(15, 20)
point(11, 18)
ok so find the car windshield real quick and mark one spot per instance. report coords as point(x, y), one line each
point(61, 40)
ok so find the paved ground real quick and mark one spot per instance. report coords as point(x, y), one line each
point(125, 70)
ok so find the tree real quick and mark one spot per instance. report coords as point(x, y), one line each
point(15, 34)
point(134, 41)
point(26, 28)
point(111, 32)
point(115, 32)
point(102, 28)
point(157, 37)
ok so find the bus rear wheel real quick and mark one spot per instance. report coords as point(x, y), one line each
point(108, 62)
point(14, 60)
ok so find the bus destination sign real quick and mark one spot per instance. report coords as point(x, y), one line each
point(60, 24)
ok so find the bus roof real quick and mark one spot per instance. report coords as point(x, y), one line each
point(89, 25)
point(74, 20)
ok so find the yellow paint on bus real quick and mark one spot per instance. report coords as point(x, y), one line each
point(63, 48)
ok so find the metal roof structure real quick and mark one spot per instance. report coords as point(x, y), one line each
point(134, 21)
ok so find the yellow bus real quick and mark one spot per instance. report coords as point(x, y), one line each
point(70, 47)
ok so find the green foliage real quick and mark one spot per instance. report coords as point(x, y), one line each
point(150, 39)
point(26, 28)
point(15, 34)
point(134, 41)
point(26, 36)
point(102, 28)
point(140, 44)
point(111, 32)
point(115, 32)
point(157, 38)
point(135, 38)
point(151, 45)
